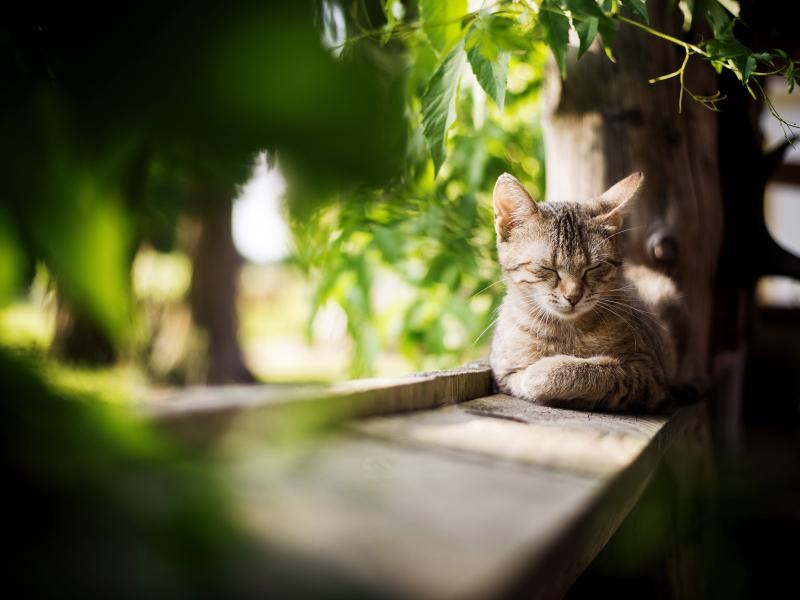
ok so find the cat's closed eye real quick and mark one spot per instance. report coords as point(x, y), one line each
point(545, 273)
point(595, 271)
point(528, 273)
point(600, 270)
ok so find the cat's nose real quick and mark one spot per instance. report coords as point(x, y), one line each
point(573, 294)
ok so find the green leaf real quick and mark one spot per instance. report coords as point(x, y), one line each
point(438, 103)
point(585, 8)
point(607, 30)
point(395, 12)
point(87, 245)
point(506, 33)
point(749, 67)
point(587, 31)
point(441, 21)
point(727, 46)
point(639, 7)
point(555, 28)
point(718, 18)
point(583, 12)
point(489, 64)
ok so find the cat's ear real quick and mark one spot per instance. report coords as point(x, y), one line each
point(616, 201)
point(512, 205)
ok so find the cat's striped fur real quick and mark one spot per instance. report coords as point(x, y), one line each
point(578, 328)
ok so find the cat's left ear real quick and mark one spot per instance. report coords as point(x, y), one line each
point(615, 202)
point(512, 205)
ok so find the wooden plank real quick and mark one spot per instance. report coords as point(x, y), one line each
point(199, 415)
point(407, 522)
point(478, 500)
point(582, 442)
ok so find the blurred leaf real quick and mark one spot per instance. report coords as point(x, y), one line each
point(394, 11)
point(488, 62)
point(113, 492)
point(687, 8)
point(438, 103)
point(717, 16)
point(639, 7)
point(85, 237)
point(589, 20)
point(587, 31)
point(585, 8)
point(555, 28)
point(12, 259)
point(607, 29)
point(749, 67)
point(441, 21)
point(506, 33)
point(390, 243)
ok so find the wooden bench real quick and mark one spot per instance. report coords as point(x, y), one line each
point(429, 486)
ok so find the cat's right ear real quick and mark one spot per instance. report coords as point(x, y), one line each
point(616, 201)
point(512, 205)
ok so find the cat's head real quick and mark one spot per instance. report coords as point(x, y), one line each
point(561, 259)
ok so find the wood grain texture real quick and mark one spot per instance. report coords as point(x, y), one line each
point(595, 444)
point(491, 497)
point(197, 415)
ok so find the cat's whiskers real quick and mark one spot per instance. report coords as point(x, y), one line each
point(624, 287)
point(494, 283)
point(630, 305)
point(614, 311)
point(488, 327)
point(537, 313)
point(615, 234)
point(496, 313)
point(639, 314)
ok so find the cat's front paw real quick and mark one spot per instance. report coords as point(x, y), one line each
point(539, 380)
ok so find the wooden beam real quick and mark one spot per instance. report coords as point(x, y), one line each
point(198, 415)
point(474, 496)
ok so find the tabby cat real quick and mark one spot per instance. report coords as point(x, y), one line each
point(577, 328)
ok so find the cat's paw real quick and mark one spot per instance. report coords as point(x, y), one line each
point(564, 377)
point(540, 379)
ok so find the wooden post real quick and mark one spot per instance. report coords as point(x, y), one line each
point(605, 121)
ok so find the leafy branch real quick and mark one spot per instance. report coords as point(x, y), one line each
point(485, 39)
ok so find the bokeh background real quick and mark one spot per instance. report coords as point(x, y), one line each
point(202, 194)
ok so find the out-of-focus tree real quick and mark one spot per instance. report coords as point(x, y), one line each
point(91, 104)
point(100, 110)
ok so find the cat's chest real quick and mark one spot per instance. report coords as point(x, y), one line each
point(575, 343)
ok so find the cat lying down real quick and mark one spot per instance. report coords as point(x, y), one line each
point(578, 328)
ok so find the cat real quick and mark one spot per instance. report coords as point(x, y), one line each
point(577, 327)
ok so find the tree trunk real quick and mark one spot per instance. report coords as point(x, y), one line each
point(215, 272)
point(605, 121)
point(79, 339)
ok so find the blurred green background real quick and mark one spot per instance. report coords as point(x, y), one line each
point(198, 194)
point(129, 141)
